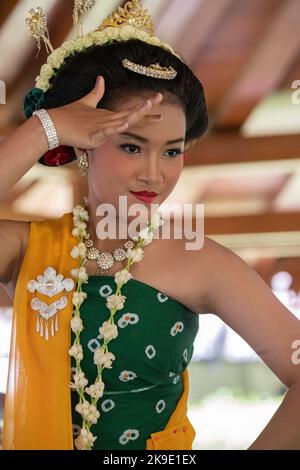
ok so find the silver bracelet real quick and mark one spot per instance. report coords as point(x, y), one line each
point(49, 128)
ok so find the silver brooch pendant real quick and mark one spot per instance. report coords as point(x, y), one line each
point(49, 284)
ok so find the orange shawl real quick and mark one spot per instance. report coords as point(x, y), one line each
point(37, 413)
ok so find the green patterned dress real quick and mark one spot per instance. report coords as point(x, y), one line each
point(154, 345)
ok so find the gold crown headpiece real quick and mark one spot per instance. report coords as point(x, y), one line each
point(132, 14)
point(129, 22)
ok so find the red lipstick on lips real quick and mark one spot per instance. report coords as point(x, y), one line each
point(145, 196)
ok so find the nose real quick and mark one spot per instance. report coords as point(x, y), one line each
point(150, 172)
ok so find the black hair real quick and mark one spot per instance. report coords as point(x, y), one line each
point(77, 76)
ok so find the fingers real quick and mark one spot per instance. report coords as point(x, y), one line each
point(141, 112)
point(149, 119)
point(119, 128)
point(155, 99)
point(96, 94)
point(121, 121)
point(127, 112)
point(115, 129)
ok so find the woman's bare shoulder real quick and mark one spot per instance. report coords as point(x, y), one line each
point(190, 261)
point(199, 266)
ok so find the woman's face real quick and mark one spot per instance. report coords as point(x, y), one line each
point(147, 156)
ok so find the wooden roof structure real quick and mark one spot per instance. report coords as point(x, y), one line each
point(246, 169)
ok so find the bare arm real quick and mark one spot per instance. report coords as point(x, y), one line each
point(20, 151)
point(241, 298)
point(79, 124)
point(13, 242)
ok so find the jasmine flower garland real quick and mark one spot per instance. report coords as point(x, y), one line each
point(109, 331)
point(35, 98)
point(56, 59)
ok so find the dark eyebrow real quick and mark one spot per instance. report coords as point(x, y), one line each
point(145, 141)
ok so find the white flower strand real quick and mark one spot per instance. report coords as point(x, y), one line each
point(59, 55)
point(102, 357)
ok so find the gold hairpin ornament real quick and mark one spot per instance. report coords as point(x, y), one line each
point(81, 8)
point(131, 21)
point(153, 70)
point(36, 22)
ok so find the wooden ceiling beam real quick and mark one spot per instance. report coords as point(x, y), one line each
point(7, 7)
point(231, 147)
point(266, 268)
point(201, 27)
point(258, 223)
point(267, 222)
point(174, 20)
point(265, 70)
point(219, 64)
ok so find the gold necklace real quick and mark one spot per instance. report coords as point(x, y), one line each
point(104, 259)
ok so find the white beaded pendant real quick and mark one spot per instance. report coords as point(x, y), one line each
point(49, 284)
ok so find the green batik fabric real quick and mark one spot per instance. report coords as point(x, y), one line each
point(154, 345)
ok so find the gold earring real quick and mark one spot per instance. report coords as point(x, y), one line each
point(83, 163)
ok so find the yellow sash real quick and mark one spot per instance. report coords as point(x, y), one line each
point(37, 413)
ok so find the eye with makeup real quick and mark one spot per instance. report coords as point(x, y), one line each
point(133, 149)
